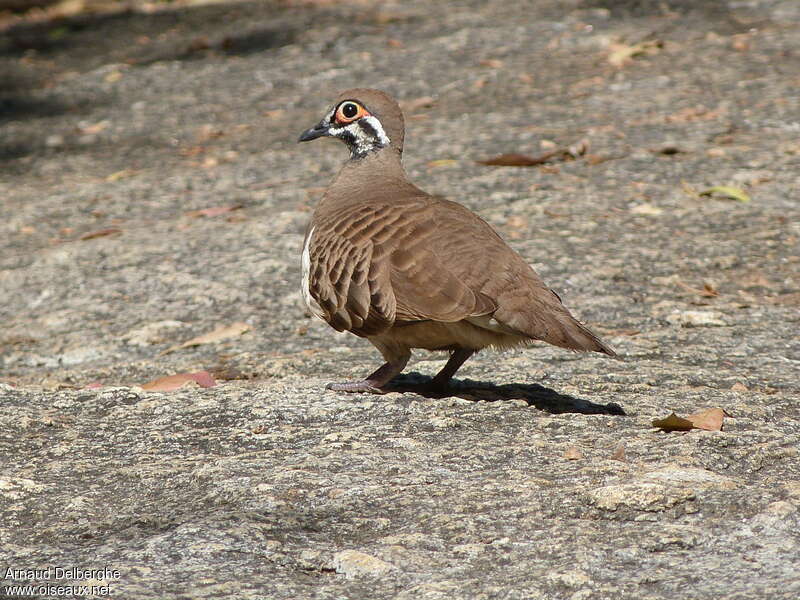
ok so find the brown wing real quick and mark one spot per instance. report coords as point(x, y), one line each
point(473, 252)
point(372, 265)
point(427, 258)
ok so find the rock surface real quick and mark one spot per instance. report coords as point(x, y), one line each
point(540, 476)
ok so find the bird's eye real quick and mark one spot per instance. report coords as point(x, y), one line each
point(350, 111)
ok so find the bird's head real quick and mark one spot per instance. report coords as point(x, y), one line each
point(365, 120)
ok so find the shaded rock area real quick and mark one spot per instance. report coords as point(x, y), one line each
point(540, 475)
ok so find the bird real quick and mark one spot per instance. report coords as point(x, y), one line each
point(405, 269)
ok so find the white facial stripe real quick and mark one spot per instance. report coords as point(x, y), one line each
point(362, 139)
point(376, 125)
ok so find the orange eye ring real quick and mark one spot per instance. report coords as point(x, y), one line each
point(349, 111)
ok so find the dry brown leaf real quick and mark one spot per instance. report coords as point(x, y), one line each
point(673, 423)
point(514, 159)
point(213, 211)
point(708, 291)
point(100, 233)
point(710, 420)
point(492, 63)
point(174, 382)
point(572, 453)
point(622, 54)
point(220, 333)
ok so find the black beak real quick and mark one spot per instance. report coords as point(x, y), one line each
point(318, 130)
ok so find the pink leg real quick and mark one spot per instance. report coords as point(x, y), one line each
point(396, 360)
point(443, 377)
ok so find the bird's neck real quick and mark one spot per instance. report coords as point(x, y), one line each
point(371, 176)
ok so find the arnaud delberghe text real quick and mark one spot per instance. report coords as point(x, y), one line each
point(55, 573)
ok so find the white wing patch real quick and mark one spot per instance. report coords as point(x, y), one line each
point(312, 304)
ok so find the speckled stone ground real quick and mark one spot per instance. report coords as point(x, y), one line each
point(540, 475)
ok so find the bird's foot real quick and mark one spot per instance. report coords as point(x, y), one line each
point(353, 387)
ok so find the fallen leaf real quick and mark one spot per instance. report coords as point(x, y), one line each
point(622, 54)
point(442, 162)
point(94, 128)
point(100, 233)
point(573, 453)
point(121, 175)
point(220, 333)
point(171, 383)
point(646, 209)
point(673, 423)
point(213, 211)
point(710, 420)
point(708, 291)
point(492, 63)
point(514, 159)
point(727, 191)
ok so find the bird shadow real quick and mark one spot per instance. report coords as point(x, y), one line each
point(534, 394)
